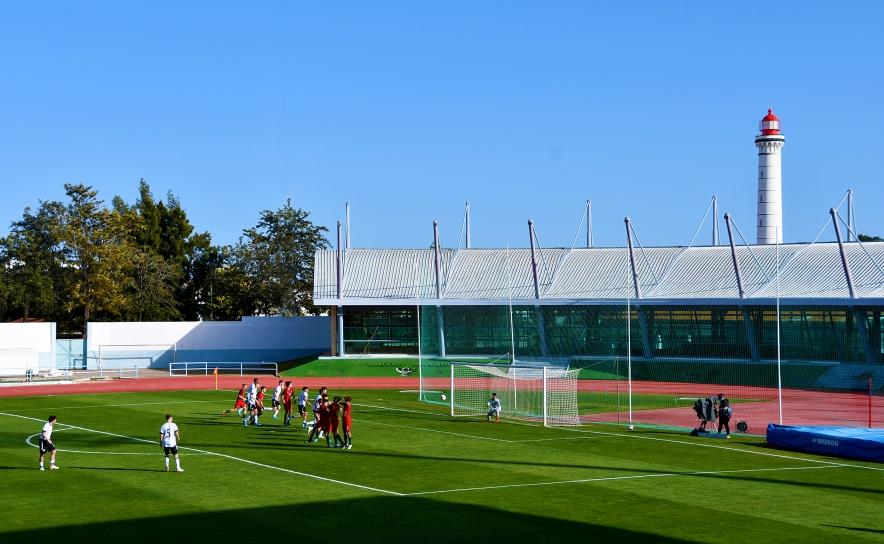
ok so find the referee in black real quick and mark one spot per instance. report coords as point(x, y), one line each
point(724, 414)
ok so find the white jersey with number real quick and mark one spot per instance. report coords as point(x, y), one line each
point(252, 391)
point(168, 431)
point(47, 429)
point(277, 392)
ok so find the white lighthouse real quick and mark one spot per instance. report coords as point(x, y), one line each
point(770, 180)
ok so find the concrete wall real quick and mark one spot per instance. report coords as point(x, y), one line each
point(26, 345)
point(254, 339)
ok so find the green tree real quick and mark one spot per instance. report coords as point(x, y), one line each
point(33, 255)
point(277, 255)
point(97, 241)
point(201, 265)
point(150, 292)
point(867, 238)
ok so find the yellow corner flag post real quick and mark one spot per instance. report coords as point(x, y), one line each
point(216, 378)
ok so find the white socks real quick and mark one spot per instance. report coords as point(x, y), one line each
point(177, 463)
point(167, 461)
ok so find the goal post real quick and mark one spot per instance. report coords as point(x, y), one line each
point(143, 355)
point(543, 394)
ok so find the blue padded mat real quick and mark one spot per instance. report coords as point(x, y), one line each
point(864, 444)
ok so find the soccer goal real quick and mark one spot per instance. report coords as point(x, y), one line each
point(142, 355)
point(533, 393)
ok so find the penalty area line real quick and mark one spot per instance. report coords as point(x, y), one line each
point(441, 432)
point(117, 405)
point(614, 478)
point(641, 437)
point(225, 456)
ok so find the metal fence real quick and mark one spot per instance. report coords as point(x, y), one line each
point(207, 368)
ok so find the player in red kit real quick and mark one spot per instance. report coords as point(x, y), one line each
point(321, 425)
point(240, 402)
point(287, 403)
point(334, 410)
point(347, 422)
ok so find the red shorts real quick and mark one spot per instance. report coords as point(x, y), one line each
point(323, 425)
point(348, 424)
point(287, 406)
point(239, 404)
point(334, 425)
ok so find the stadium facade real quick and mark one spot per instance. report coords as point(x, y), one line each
point(685, 305)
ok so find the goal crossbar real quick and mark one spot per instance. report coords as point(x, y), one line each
point(543, 394)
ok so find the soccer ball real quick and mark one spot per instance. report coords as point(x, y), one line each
point(444, 397)
point(631, 427)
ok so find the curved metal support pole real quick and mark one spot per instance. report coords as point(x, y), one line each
point(844, 262)
point(638, 291)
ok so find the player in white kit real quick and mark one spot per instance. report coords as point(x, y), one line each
point(277, 394)
point(169, 438)
point(46, 443)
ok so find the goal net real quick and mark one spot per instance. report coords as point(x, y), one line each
point(142, 355)
point(542, 394)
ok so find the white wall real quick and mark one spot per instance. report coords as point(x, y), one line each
point(269, 339)
point(26, 345)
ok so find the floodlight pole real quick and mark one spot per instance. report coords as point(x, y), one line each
point(850, 215)
point(629, 325)
point(714, 220)
point(779, 343)
point(420, 362)
point(339, 310)
point(468, 226)
point(438, 265)
point(347, 230)
point(589, 223)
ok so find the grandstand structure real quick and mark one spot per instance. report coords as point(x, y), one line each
point(686, 317)
point(686, 302)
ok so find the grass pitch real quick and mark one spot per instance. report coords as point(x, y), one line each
point(414, 475)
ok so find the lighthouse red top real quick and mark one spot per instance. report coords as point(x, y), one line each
point(770, 124)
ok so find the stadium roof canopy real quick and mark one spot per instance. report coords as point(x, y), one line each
point(812, 273)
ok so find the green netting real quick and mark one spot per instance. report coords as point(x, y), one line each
point(677, 354)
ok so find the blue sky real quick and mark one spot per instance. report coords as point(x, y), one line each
point(409, 109)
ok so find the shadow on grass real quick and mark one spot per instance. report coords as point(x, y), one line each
point(861, 529)
point(370, 519)
point(117, 469)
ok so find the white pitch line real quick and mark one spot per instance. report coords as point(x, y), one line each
point(642, 437)
point(613, 478)
point(435, 431)
point(701, 445)
point(116, 405)
point(569, 438)
point(477, 436)
point(255, 463)
point(400, 410)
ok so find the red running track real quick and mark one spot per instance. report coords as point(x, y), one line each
point(208, 382)
point(799, 407)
